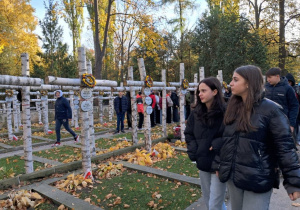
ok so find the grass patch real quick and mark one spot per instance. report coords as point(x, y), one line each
point(13, 166)
point(105, 143)
point(96, 130)
point(138, 190)
point(20, 142)
point(180, 164)
point(62, 135)
point(61, 153)
point(128, 136)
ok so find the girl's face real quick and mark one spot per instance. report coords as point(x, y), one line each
point(239, 86)
point(206, 94)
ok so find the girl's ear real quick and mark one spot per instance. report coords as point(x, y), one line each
point(215, 91)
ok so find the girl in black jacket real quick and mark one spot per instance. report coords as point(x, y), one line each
point(256, 140)
point(204, 129)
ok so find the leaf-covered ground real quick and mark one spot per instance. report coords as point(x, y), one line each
point(61, 154)
point(19, 142)
point(15, 165)
point(133, 190)
point(180, 164)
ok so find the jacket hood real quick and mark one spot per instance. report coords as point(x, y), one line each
point(60, 93)
point(290, 78)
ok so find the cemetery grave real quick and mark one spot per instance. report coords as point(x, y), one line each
point(136, 154)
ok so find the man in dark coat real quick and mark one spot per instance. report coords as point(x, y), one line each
point(278, 90)
point(120, 105)
point(128, 113)
point(175, 100)
point(63, 113)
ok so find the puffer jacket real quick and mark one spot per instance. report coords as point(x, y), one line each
point(199, 138)
point(117, 104)
point(283, 94)
point(62, 107)
point(250, 159)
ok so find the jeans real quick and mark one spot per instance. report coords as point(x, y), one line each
point(141, 120)
point(247, 200)
point(129, 119)
point(120, 120)
point(65, 123)
point(213, 191)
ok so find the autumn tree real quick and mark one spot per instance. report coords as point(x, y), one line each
point(224, 42)
point(73, 15)
point(16, 35)
point(181, 7)
point(55, 58)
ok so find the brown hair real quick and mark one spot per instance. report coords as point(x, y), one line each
point(239, 110)
point(273, 72)
point(217, 106)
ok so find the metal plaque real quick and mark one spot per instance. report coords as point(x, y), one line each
point(148, 100)
point(76, 102)
point(86, 93)
point(147, 91)
point(149, 109)
point(86, 106)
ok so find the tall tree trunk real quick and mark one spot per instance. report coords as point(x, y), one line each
point(98, 62)
point(282, 51)
point(181, 108)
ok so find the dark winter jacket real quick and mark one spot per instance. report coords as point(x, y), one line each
point(62, 107)
point(283, 94)
point(199, 138)
point(296, 89)
point(250, 159)
point(128, 102)
point(117, 104)
point(175, 99)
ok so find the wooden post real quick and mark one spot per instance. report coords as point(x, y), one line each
point(133, 107)
point(100, 105)
point(164, 104)
point(195, 93)
point(26, 116)
point(38, 108)
point(45, 120)
point(181, 103)
point(147, 128)
point(91, 117)
point(201, 73)
point(85, 144)
point(71, 96)
point(15, 113)
point(9, 118)
point(111, 105)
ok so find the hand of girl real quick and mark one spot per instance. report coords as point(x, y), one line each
point(294, 196)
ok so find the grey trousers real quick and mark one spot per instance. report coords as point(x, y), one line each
point(213, 191)
point(247, 200)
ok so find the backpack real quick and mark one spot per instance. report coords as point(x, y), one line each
point(169, 101)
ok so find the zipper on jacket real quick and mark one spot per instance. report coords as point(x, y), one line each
point(234, 154)
point(260, 160)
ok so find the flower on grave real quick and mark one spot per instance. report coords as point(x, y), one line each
point(9, 93)
point(185, 84)
point(44, 92)
point(88, 80)
point(148, 81)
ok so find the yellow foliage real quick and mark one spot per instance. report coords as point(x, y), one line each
point(16, 34)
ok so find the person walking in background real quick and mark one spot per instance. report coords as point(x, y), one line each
point(169, 103)
point(291, 81)
point(256, 140)
point(152, 115)
point(128, 113)
point(140, 109)
point(63, 113)
point(157, 107)
point(203, 135)
point(278, 90)
point(175, 100)
point(120, 106)
point(187, 105)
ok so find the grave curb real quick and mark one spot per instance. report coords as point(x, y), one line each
point(67, 167)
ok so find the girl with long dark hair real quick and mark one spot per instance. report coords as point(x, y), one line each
point(203, 133)
point(256, 140)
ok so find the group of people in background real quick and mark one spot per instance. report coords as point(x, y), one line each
point(244, 144)
point(122, 106)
